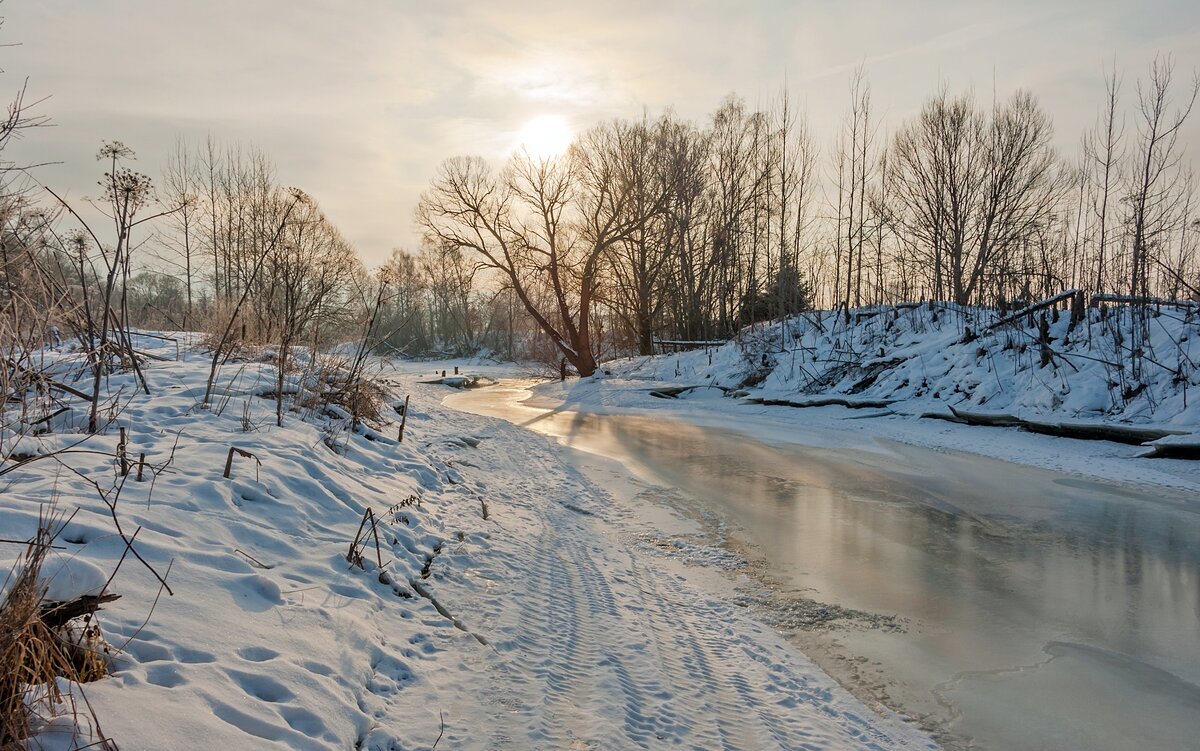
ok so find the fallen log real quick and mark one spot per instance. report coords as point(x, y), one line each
point(831, 401)
point(151, 356)
point(671, 392)
point(1049, 301)
point(1179, 449)
point(948, 417)
point(674, 392)
point(989, 419)
point(463, 381)
point(56, 614)
point(163, 337)
point(1086, 431)
point(1100, 432)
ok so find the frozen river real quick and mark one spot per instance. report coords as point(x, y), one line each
point(1039, 610)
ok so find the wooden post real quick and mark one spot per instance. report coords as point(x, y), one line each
point(121, 456)
point(403, 419)
point(141, 465)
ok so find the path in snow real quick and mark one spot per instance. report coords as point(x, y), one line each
point(594, 643)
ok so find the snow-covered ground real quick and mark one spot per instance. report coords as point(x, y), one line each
point(519, 604)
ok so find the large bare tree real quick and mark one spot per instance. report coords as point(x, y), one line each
point(546, 225)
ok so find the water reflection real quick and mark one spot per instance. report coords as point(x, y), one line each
point(1045, 611)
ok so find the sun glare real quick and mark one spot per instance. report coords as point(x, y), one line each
point(545, 136)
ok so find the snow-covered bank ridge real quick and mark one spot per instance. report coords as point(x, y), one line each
point(514, 609)
point(911, 361)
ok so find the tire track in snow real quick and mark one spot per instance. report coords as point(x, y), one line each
point(599, 648)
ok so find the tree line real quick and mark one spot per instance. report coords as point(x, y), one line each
point(668, 230)
point(644, 230)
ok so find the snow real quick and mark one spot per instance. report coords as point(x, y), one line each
point(69, 578)
point(569, 617)
point(62, 578)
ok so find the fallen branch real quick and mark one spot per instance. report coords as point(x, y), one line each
point(253, 560)
point(1173, 450)
point(43, 377)
point(1048, 302)
point(57, 614)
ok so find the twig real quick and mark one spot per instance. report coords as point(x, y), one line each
point(442, 720)
point(253, 560)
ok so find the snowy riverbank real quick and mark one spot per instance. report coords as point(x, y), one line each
point(911, 362)
point(518, 606)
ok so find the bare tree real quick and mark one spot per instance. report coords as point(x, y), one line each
point(1022, 184)
point(639, 261)
point(449, 282)
point(221, 349)
point(1156, 180)
point(1103, 151)
point(546, 225)
point(303, 285)
point(180, 183)
point(855, 168)
point(974, 191)
point(936, 162)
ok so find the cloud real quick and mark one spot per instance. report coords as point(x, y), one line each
point(358, 102)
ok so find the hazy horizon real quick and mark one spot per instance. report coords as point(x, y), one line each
point(358, 104)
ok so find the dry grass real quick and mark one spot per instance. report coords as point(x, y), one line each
point(41, 643)
point(337, 383)
point(212, 323)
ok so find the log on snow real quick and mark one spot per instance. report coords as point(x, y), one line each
point(56, 614)
point(833, 401)
point(1128, 434)
point(1049, 301)
point(993, 420)
point(1173, 450)
point(671, 392)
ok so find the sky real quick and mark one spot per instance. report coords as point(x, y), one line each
point(358, 101)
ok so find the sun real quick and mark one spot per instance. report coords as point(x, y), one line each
point(545, 136)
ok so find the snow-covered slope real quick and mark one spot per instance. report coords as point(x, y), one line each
point(514, 608)
point(929, 358)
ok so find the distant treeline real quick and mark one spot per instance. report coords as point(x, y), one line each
point(647, 229)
